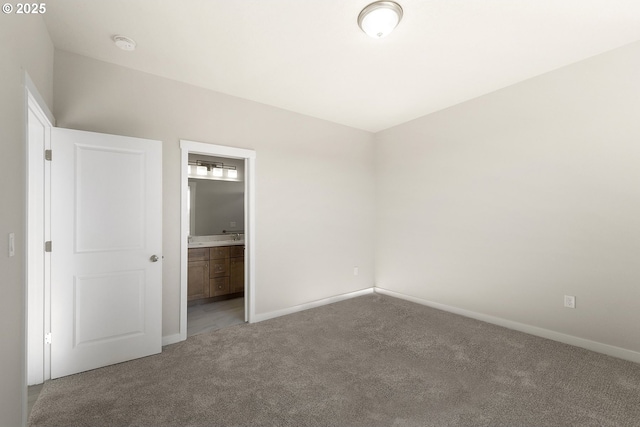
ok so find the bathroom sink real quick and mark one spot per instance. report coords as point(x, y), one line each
point(214, 243)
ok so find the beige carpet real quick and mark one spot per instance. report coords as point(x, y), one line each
point(369, 361)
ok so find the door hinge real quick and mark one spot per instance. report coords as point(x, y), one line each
point(47, 246)
point(47, 155)
point(47, 338)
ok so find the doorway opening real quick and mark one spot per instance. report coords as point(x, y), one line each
point(216, 243)
point(217, 237)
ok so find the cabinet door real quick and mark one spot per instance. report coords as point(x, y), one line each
point(198, 280)
point(219, 286)
point(236, 274)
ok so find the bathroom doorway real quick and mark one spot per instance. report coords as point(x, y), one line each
point(218, 238)
point(216, 243)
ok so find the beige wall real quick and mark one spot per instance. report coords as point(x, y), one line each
point(314, 178)
point(24, 45)
point(503, 204)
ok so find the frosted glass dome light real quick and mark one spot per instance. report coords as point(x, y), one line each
point(378, 19)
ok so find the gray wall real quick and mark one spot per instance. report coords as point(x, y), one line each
point(24, 45)
point(314, 178)
point(503, 204)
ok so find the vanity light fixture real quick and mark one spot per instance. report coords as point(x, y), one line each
point(378, 19)
point(212, 170)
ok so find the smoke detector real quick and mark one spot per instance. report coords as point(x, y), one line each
point(124, 43)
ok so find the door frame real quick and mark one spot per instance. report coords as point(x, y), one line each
point(37, 272)
point(249, 156)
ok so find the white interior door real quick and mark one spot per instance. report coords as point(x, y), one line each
point(106, 232)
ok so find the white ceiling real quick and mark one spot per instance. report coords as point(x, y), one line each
point(309, 56)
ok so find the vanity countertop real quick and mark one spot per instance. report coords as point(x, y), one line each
point(211, 244)
point(216, 240)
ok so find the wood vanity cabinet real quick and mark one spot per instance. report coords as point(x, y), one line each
point(198, 274)
point(236, 269)
point(215, 272)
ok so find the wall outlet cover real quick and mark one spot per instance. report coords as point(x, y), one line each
point(570, 301)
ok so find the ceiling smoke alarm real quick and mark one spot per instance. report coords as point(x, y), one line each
point(124, 43)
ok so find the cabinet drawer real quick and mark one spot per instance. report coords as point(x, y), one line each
point(218, 267)
point(236, 251)
point(219, 286)
point(220, 252)
point(198, 254)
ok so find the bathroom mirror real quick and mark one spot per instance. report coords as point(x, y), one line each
point(216, 206)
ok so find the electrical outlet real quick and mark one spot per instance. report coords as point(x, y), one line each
point(356, 271)
point(232, 224)
point(570, 301)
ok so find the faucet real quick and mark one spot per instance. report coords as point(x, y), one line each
point(236, 236)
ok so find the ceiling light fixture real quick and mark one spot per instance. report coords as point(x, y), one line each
point(124, 43)
point(380, 18)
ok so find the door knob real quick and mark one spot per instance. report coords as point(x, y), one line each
point(154, 258)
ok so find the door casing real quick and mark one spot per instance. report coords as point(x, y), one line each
point(37, 280)
point(249, 156)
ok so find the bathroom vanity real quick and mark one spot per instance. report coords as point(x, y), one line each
point(215, 272)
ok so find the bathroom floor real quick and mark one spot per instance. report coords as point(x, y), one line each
point(217, 315)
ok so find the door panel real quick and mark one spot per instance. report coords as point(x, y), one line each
point(96, 296)
point(110, 196)
point(106, 219)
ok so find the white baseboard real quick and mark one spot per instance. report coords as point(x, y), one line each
point(259, 317)
point(598, 347)
point(171, 339)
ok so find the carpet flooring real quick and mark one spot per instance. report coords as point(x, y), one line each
point(368, 361)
